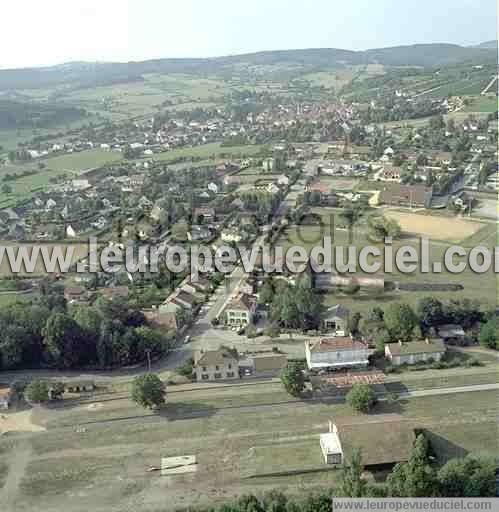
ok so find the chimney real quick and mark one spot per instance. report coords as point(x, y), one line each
point(427, 341)
point(400, 342)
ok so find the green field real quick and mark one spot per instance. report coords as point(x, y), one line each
point(70, 164)
point(481, 287)
point(104, 464)
point(214, 150)
point(482, 104)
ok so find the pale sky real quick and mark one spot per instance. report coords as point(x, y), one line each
point(46, 32)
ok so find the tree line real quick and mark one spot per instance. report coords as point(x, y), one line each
point(48, 333)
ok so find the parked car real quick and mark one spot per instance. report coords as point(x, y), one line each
point(187, 339)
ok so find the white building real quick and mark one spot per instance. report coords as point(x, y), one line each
point(336, 352)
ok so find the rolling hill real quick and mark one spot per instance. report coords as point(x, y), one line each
point(95, 74)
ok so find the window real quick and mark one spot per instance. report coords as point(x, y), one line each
point(217, 368)
point(218, 375)
point(205, 376)
point(230, 375)
point(230, 366)
point(204, 368)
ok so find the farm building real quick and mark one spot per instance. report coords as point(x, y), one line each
point(335, 353)
point(381, 443)
point(414, 351)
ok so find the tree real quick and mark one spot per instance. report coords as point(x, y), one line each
point(65, 341)
point(293, 379)
point(416, 478)
point(37, 391)
point(148, 391)
point(380, 228)
point(266, 294)
point(468, 477)
point(430, 312)
point(400, 321)
point(186, 368)
point(272, 330)
point(361, 397)
point(352, 485)
point(6, 189)
point(56, 390)
point(489, 334)
point(353, 322)
point(350, 216)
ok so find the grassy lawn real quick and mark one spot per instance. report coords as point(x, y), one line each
point(482, 104)
point(404, 383)
point(70, 164)
point(481, 287)
point(109, 462)
point(213, 150)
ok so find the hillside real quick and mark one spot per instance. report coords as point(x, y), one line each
point(300, 61)
point(488, 44)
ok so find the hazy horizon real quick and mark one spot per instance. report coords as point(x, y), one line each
point(123, 31)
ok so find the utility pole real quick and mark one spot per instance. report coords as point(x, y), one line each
point(148, 352)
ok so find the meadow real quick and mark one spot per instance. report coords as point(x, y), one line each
point(104, 466)
point(71, 164)
point(480, 287)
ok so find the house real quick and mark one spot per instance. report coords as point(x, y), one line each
point(336, 352)
point(230, 235)
point(414, 351)
point(157, 213)
point(184, 299)
point(213, 187)
point(5, 398)
point(203, 214)
point(377, 448)
point(219, 364)
point(272, 188)
point(75, 294)
point(396, 194)
point(452, 334)
point(283, 180)
point(336, 319)
point(199, 233)
point(390, 173)
point(240, 310)
point(70, 231)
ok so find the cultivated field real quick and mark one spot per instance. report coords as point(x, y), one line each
point(452, 229)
